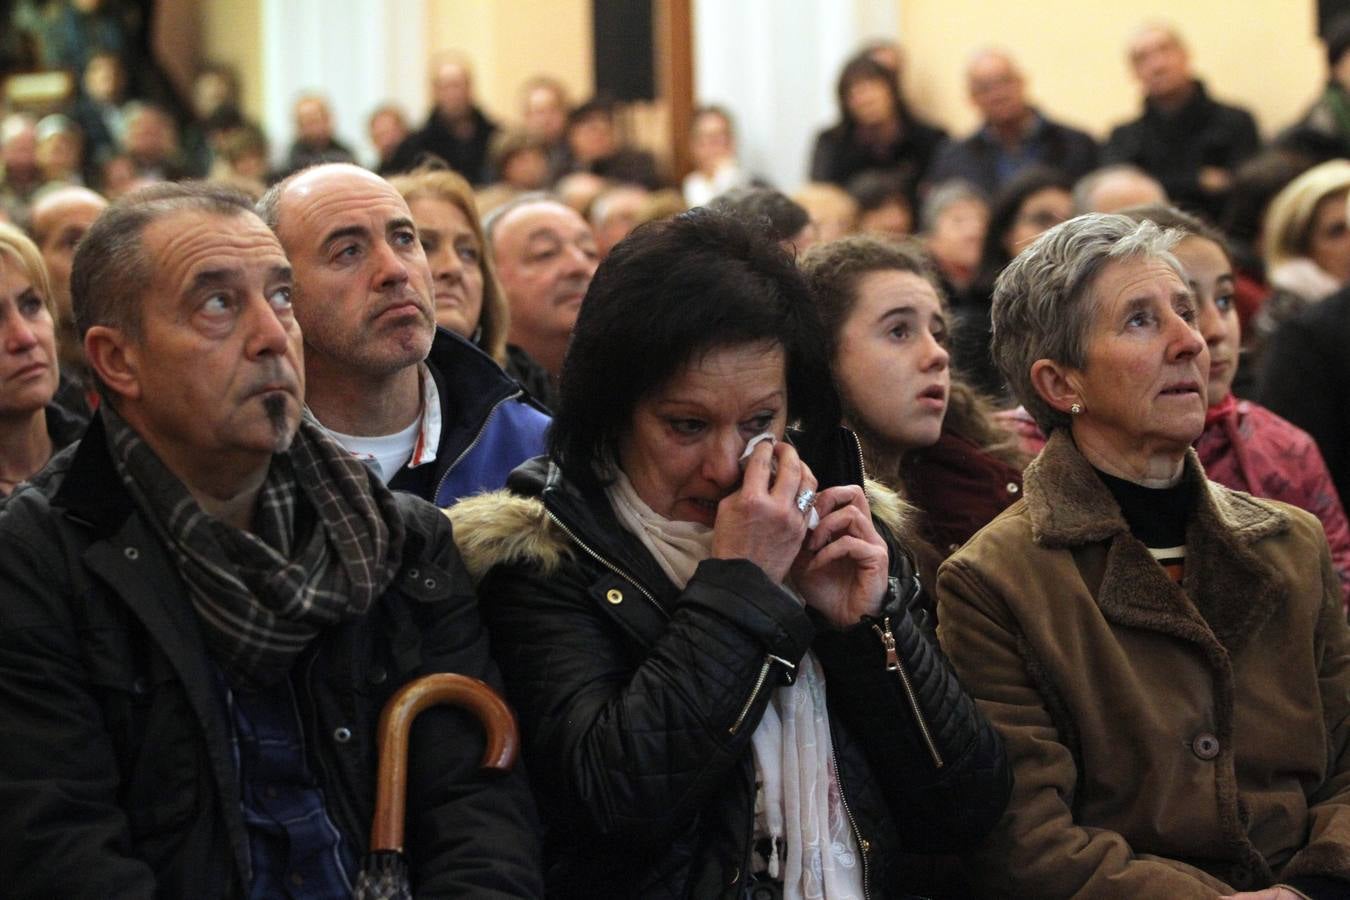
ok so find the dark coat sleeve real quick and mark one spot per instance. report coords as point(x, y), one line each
point(940, 763)
point(826, 162)
point(63, 832)
point(624, 746)
point(468, 834)
point(1301, 381)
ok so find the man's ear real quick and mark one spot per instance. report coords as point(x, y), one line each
point(115, 359)
point(1057, 384)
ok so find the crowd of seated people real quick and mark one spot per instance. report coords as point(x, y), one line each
point(967, 522)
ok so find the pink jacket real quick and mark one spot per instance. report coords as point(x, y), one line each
point(1247, 447)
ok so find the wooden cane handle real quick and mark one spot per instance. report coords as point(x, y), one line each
point(499, 723)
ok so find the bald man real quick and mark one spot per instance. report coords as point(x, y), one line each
point(429, 412)
point(1186, 139)
point(58, 219)
point(1013, 135)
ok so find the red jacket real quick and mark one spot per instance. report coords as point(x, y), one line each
point(959, 487)
point(1247, 447)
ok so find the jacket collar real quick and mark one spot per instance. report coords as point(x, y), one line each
point(1228, 591)
point(470, 384)
point(90, 489)
point(1198, 104)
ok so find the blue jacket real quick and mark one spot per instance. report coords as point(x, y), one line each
point(489, 425)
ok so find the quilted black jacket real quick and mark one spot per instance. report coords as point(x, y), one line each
point(637, 702)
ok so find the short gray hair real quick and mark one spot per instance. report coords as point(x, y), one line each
point(1043, 306)
point(946, 194)
point(111, 270)
point(529, 198)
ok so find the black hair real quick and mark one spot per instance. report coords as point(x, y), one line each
point(672, 291)
point(770, 212)
point(1255, 184)
point(1003, 214)
point(863, 68)
point(1336, 37)
point(874, 188)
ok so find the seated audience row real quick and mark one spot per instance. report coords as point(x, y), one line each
point(675, 606)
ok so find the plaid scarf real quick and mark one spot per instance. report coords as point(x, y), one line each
point(325, 543)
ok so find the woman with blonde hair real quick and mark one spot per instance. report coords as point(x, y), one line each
point(1306, 240)
point(1305, 245)
point(32, 428)
point(469, 299)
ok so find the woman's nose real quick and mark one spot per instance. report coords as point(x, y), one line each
point(18, 334)
point(1186, 339)
point(722, 460)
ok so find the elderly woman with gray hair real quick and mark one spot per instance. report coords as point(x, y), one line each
point(1168, 660)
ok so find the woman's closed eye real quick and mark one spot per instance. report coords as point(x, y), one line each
point(686, 427)
point(758, 424)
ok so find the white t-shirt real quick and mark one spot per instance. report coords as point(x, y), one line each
point(387, 453)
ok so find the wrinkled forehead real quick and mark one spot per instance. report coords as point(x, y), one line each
point(1152, 40)
point(74, 210)
point(321, 200)
point(182, 246)
point(533, 218)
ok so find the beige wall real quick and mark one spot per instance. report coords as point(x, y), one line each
point(232, 33)
point(1262, 54)
point(510, 40)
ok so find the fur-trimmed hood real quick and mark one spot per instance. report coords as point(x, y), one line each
point(504, 527)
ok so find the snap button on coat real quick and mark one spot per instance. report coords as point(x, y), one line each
point(1205, 746)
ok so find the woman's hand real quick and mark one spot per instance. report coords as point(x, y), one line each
point(1275, 893)
point(843, 568)
point(761, 522)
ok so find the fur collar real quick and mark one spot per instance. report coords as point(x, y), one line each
point(1228, 591)
point(1069, 505)
point(502, 527)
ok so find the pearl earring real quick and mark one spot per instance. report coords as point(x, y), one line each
point(1075, 409)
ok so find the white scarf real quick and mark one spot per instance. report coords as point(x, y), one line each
point(797, 801)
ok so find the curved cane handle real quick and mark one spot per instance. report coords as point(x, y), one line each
point(503, 741)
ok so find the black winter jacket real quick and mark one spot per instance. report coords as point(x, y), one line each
point(1173, 147)
point(976, 157)
point(467, 155)
point(637, 702)
point(838, 157)
point(116, 774)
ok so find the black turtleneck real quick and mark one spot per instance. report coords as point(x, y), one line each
point(1156, 516)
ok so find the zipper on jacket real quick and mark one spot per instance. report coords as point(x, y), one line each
point(604, 562)
point(482, 430)
point(893, 664)
point(754, 694)
point(863, 846)
point(862, 466)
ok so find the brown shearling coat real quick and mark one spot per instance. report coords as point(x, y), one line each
point(1166, 742)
